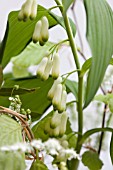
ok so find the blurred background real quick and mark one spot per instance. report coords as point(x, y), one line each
point(92, 118)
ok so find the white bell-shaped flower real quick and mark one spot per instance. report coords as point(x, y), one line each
point(27, 8)
point(56, 66)
point(63, 123)
point(62, 106)
point(44, 30)
point(33, 10)
point(47, 70)
point(36, 33)
point(42, 67)
point(53, 88)
point(57, 96)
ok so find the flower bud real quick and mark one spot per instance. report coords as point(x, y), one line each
point(62, 106)
point(37, 30)
point(44, 30)
point(63, 124)
point(56, 66)
point(27, 8)
point(65, 144)
point(47, 69)
point(55, 120)
point(42, 67)
point(33, 10)
point(57, 96)
point(53, 88)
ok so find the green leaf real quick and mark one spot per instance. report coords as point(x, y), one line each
point(12, 161)
point(10, 131)
point(111, 148)
point(19, 72)
point(91, 160)
point(101, 98)
point(85, 67)
point(19, 34)
point(66, 4)
point(20, 91)
point(100, 37)
point(72, 140)
point(1, 76)
point(38, 165)
point(60, 20)
point(92, 131)
point(72, 86)
point(32, 55)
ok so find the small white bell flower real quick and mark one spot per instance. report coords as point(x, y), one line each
point(57, 96)
point(56, 66)
point(36, 33)
point(42, 66)
point(53, 88)
point(44, 30)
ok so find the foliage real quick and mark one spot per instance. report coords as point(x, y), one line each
point(33, 105)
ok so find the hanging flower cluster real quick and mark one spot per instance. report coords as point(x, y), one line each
point(58, 95)
point(41, 31)
point(28, 10)
point(56, 125)
point(47, 64)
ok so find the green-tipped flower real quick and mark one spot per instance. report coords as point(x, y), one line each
point(63, 123)
point(62, 106)
point(20, 15)
point(44, 30)
point(42, 67)
point(26, 8)
point(57, 96)
point(53, 88)
point(36, 33)
point(33, 10)
point(56, 66)
point(47, 69)
point(55, 120)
